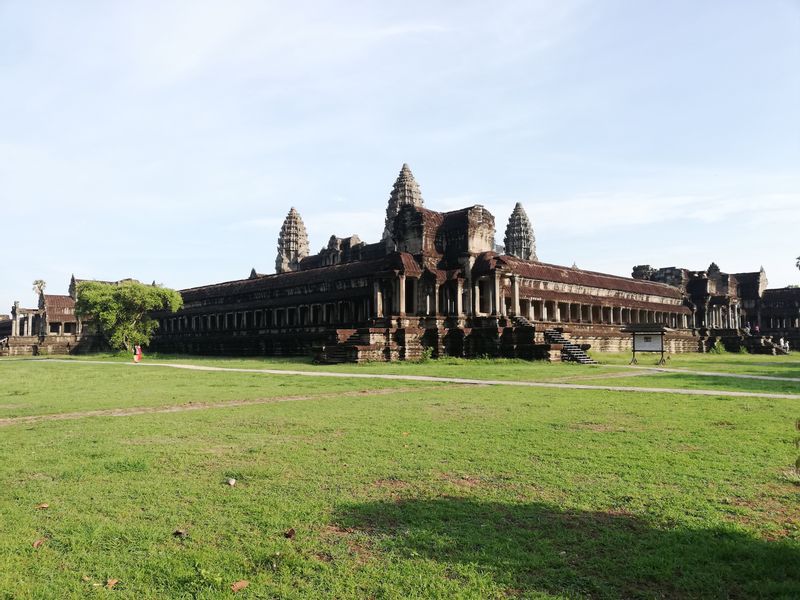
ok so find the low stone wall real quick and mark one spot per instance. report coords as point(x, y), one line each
point(286, 343)
point(603, 338)
point(487, 337)
point(47, 345)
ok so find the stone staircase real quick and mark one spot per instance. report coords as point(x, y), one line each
point(520, 321)
point(762, 345)
point(344, 350)
point(569, 351)
point(367, 344)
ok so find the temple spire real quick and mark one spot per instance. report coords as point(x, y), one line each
point(292, 243)
point(404, 191)
point(519, 240)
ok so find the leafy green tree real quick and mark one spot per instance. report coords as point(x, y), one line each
point(121, 312)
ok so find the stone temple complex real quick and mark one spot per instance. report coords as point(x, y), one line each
point(435, 284)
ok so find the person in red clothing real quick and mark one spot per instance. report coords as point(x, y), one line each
point(137, 353)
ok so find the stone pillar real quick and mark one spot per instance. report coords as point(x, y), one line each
point(476, 298)
point(436, 298)
point(459, 297)
point(514, 295)
point(377, 299)
point(401, 296)
point(495, 293)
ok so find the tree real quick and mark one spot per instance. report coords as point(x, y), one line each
point(121, 312)
point(38, 286)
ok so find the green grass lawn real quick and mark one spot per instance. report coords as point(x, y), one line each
point(745, 364)
point(393, 489)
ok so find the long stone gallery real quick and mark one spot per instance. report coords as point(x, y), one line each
point(438, 284)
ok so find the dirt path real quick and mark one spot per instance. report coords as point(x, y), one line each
point(457, 380)
point(148, 410)
point(712, 373)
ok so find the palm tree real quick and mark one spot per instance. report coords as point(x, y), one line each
point(39, 285)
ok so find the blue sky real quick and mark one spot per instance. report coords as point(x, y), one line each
point(167, 140)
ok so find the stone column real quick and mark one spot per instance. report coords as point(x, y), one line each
point(401, 296)
point(435, 298)
point(377, 299)
point(514, 295)
point(459, 297)
point(476, 299)
point(495, 293)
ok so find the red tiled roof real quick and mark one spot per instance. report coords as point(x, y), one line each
point(59, 308)
point(560, 274)
point(398, 261)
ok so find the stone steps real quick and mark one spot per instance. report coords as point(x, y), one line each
point(569, 351)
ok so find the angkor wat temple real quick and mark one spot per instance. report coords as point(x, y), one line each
point(438, 281)
point(437, 284)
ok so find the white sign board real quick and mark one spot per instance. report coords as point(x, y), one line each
point(648, 342)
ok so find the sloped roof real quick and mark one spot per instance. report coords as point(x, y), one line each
point(398, 261)
point(791, 294)
point(560, 274)
point(59, 308)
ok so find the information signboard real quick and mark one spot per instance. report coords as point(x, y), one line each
point(648, 342)
point(648, 337)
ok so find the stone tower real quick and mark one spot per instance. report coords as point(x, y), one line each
point(405, 191)
point(292, 243)
point(519, 240)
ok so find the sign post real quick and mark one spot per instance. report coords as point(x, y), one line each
point(648, 337)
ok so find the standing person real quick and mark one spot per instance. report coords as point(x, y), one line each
point(137, 353)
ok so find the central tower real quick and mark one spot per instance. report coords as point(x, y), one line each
point(405, 191)
point(292, 243)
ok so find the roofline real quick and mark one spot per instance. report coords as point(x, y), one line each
point(611, 275)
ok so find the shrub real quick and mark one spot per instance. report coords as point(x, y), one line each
point(427, 354)
point(717, 347)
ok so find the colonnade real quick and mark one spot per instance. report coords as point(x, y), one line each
point(23, 323)
point(723, 317)
point(405, 296)
point(339, 312)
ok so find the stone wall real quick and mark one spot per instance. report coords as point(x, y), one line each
point(610, 339)
point(50, 345)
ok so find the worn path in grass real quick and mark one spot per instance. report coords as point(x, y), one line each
point(145, 410)
point(457, 380)
point(714, 373)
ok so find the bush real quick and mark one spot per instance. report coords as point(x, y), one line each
point(427, 354)
point(717, 348)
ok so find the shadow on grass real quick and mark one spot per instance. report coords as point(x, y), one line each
point(538, 547)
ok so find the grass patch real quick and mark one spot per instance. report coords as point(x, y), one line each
point(396, 492)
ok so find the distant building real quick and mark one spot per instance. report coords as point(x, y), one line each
point(50, 328)
point(438, 282)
